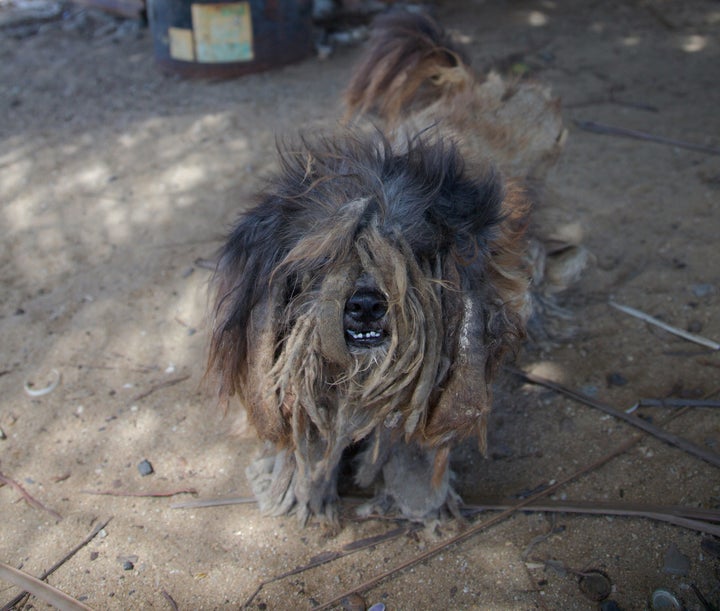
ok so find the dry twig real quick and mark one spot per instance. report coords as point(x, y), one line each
point(612, 130)
point(15, 601)
point(171, 601)
point(687, 517)
point(672, 402)
point(160, 386)
point(42, 590)
point(691, 337)
point(667, 437)
point(27, 497)
point(140, 494)
point(232, 500)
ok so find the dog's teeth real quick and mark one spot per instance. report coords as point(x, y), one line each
point(368, 335)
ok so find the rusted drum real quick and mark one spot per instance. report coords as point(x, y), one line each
point(202, 38)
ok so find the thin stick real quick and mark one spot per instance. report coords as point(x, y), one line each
point(171, 601)
point(27, 497)
point(140, 494)
point(59, 563)
point(671, 402)
point(667, 437)
point(612, 130)
point(671, 515)
point(40, 589)
point(691, 337)
point(232, 500)
point(165, 384)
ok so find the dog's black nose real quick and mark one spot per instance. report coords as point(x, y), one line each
point(366, 306)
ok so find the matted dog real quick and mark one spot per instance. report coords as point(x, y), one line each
point(363, 306)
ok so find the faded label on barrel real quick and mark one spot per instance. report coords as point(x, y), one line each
point(223, 32)
point(182, 44)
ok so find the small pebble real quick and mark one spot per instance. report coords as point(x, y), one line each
point(94, 555)
point(501, 451)
point(676, 563)
point(702, 290)
point(616, 379)
point(695, 326)
point(145, 468)
point(377, 607)
point(128, 566)
point(590, 390)
point(711, 547)
point(595, 585)
point(547, 56)
point(353, 602)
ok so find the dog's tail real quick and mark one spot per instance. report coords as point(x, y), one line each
point(410, 62)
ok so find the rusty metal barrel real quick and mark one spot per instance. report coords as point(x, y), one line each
point(206, 39)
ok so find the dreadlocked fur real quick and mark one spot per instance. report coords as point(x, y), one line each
point(366, 300)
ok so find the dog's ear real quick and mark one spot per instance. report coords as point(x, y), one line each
point(487, 317)
point(248, 313)
point(470, 210)
point(462, 203)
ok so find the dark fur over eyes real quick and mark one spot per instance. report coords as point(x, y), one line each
point(329, 191)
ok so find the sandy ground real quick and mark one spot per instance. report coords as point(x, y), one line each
point(114, 179)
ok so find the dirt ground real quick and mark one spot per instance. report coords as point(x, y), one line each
point(115, 178)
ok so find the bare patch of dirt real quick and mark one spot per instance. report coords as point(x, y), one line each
point(114, 179)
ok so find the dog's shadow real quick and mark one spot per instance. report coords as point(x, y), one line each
point(514, 443)
point(514, 438)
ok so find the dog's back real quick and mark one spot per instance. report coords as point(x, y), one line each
point(415, 79)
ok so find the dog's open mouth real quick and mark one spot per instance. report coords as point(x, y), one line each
point(365, 339)
point(364, 319)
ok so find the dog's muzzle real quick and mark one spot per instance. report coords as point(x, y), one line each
point(364, 319)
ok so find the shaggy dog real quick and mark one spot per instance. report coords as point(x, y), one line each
point(363, 306)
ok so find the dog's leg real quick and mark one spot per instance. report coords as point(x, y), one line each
point(315, 484)
point(415, 480)
point(271, 476)
point(303, 481)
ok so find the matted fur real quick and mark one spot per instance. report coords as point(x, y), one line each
point(422, 232)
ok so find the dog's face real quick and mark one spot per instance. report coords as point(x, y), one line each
point(369, 286)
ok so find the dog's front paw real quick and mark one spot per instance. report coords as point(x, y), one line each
point(281, 489)
point(271, 477)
